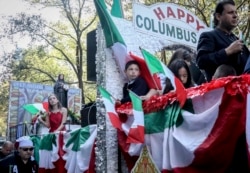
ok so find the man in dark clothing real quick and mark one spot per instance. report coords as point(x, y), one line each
point(22, 160)
point(7, 149)
point(221, 46)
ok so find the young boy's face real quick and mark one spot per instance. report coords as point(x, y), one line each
point(132, 72)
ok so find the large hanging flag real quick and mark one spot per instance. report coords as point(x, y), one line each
point(48, 153)
point(157, 67)
point(113, 38)
point(201, 137)
point(79, 149)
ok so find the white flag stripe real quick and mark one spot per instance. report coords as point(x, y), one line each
point(110, 107)
point(126, 126)
point(138, 118)
point(39, 106)
point(121, 56)
point(135, 149)
point(169, 74)
point(48, 157)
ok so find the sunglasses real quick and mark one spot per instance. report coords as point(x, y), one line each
point(26, 149)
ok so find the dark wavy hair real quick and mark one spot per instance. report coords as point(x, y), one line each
point(129, 63)
point(220, 8)
point(180, 53)
point(176, 65)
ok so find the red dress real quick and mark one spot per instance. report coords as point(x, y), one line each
point(55, 119)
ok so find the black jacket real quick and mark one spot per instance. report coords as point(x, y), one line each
point(14, 163)
point(211, 52)
point(138, 86)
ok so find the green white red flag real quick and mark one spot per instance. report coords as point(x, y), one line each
point(110, 108)
point(157, 67)
point(202, 136)
point(79, 150)
point(116, 43)
point(113, 37)
point(136, 130)
point(50, 153)
point(67, 152)
point(36, 107)
point(133, 126)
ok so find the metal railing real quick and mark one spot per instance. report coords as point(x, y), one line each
point(22, 129)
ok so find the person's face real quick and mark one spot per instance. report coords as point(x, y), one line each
point(183, 75)
point(132, 72)
point(6, 150)
point(25, 152)
point(229, 17)
point(61, 76)
point(53, 100)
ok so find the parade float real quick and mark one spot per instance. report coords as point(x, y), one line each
point(168, 133)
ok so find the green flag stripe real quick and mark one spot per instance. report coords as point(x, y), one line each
point(136, 101)
point(157, 122)
point(78, 138)
point(116, 9)
point(152, 62)
point(47, 142)
point(105, 94)
point(31, 108)
point(111, 33)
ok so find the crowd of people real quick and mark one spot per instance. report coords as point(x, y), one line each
point(18, 157)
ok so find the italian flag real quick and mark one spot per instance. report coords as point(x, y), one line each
point(67, 152)
point(210, 133)
point(110, 108)
point(36, 107)
point(79, 150)
point(136, 130)
point(133, 125)
point(50, 153)
point(113, 38)
point(157, 67)
point(118, 46)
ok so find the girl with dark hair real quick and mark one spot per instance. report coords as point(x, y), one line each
point(180, 69)
point(187, 56)
point(57, 115)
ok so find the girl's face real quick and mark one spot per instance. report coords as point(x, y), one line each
point(183, 75)
point(132, 72)
point(53, 100)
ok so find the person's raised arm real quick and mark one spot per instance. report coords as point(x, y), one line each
point(46, 122)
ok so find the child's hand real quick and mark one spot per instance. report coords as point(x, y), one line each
point(118, 102)
point(144, 97)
